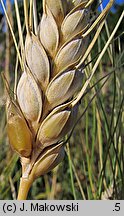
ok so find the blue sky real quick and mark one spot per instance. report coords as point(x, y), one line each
point(104, 2)
point(116, 1)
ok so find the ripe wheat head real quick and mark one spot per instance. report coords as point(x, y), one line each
point(42, 115)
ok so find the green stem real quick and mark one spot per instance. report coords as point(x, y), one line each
point(71, 172)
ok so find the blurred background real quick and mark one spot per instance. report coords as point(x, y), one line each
point(93, 167)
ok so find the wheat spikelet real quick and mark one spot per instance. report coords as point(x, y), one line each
point(50, 82)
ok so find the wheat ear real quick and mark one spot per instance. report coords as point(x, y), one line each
point(47, 91)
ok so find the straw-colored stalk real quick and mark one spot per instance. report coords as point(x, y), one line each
point(46, 105)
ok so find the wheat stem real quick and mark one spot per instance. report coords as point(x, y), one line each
point(24, 188)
